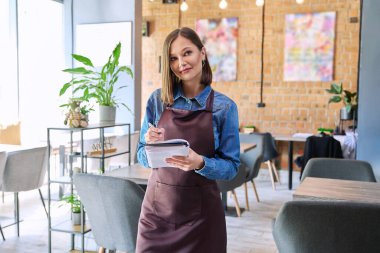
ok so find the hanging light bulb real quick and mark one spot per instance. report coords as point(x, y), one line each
point(184, 6)
point(299, 1)
point(259, 2)
point(223, 4)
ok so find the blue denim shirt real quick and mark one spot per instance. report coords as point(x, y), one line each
point(225, 127)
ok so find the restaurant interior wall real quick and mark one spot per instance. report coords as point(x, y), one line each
point(290, 106)
point(369, 119)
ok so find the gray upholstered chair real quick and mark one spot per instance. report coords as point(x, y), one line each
point(328, 227)
point(3, 159)
point(226, 186)
point(335, 168)
point(24, 171)
point(252, 160)
point(113, 207)
point(270, 153)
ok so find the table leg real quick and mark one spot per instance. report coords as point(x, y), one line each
point(290, 165)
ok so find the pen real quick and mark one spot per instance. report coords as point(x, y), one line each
point(151, 125)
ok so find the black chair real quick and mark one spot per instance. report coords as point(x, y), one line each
point(328, 227)
point(270, 153)
point(339, 169)
point(320, 146)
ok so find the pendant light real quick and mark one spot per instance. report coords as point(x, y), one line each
point(259, 2)
point(184, 6)
point(223, 4)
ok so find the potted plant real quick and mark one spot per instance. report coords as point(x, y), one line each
point(73, 199)
point(350, 100)
point(249, 129)
point(77, 113)
point(97, 84)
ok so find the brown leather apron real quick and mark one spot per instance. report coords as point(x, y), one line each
point(182, 211)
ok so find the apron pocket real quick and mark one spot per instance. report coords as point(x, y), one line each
point(177, 204)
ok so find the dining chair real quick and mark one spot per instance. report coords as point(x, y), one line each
point(320, 146)
point(3, 159)
point(226, 186)
point(252, 160)
point(113, 207)
point(334, 168)
point(270, 153)
point(327, 226)
point(24, 171)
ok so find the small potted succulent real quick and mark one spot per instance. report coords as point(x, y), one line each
point(349, 99)
point(249, 129)
point(77, 114)
point(73, 199)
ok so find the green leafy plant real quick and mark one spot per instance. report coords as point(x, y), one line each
point(73, 199)
point(350, 99)
point(94, 84)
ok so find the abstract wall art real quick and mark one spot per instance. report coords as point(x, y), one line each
point(219, 36)
point(309, 46)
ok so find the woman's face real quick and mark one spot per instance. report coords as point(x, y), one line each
point(186, 60)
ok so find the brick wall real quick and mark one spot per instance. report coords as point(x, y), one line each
point(290, 106)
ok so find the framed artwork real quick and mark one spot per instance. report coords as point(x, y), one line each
point(309, 46)
point(97, 41)
point(219, 36)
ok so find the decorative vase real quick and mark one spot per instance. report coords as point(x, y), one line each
point(107, 114)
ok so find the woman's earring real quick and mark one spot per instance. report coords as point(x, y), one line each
point(203, 63)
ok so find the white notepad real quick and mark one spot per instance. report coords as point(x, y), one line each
point(158, 151)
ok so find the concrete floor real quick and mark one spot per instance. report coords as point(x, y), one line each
point(247, 234)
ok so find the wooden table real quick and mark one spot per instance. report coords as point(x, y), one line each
point(136, 173)
point(313, 188)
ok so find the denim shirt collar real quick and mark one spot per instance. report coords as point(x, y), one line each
point(200, 98)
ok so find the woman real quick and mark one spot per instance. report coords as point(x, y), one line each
point(182, 210)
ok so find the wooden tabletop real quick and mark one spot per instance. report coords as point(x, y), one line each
point(135, 173)
point(244, 147)
point(313, 188)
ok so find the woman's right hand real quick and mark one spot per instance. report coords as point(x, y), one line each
point(154, 134)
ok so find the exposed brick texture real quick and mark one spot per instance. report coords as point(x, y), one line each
point(290, 106)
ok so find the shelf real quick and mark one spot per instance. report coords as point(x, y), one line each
point(68, 227)
point(72, 151)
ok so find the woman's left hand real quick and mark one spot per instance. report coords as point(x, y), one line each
point(191, 162)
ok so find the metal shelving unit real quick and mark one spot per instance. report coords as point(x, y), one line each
point(65, 225)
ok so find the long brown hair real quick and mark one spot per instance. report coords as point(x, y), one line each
point(169, 79)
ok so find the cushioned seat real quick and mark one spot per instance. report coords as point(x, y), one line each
point(327, 227)
point(113, 207)
point(339, 169)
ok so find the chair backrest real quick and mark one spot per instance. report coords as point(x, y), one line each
point(328, 227)
point(24, 170)
point(270, 150)
point(3, 159)
point(113, 207)
point(321, 146)
point(253, 158)
point(339, 169)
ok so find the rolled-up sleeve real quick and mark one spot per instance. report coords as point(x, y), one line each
point(226, 161)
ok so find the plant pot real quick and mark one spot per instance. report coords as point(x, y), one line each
point(345, 115)
point(107, 114)
point(75, 218)
point(248, 130)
